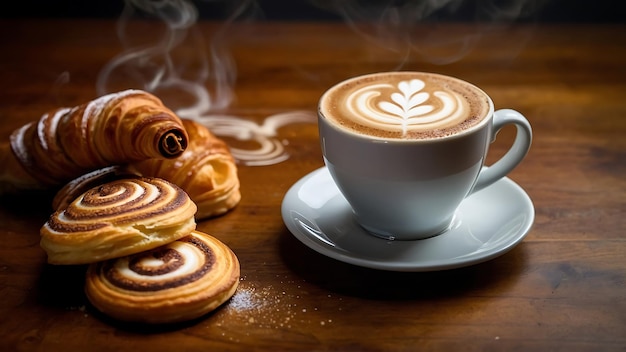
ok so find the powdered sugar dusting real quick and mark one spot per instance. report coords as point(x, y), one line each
point(96, 106)
point(17, 143)
point(260, 307)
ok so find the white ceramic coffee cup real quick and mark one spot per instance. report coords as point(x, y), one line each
point(410, 189)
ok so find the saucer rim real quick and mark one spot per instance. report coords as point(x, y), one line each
point(418, 266)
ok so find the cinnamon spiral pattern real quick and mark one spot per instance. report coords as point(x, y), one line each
point(180, 281)
point(118, 218)
point(206, 171)
point(68, 193)
point(113, 129)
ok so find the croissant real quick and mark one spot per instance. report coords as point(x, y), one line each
point(117, 128)
point(205, 170)
point(13, 177)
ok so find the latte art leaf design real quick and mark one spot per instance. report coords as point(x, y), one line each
point(408, 102)
point(405, 107)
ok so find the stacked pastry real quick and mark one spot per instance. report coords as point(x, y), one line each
point(137, 178)
point(205, 170)
point(147, 261)
point(120, 134)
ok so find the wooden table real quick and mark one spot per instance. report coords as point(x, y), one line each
point(562, 289)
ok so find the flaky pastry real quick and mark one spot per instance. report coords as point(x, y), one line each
point(113, 129)
point(180, 281)
point(205, 170)
point(13, 176)
point(118, 218)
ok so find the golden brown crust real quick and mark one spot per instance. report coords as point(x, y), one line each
point(206, 171)
point(118, 218)
point(68, 193)
point(180, 281)
point(113, 129)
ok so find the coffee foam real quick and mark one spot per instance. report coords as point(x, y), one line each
point(405, 105)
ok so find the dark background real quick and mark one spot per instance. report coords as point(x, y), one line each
point(608, 11)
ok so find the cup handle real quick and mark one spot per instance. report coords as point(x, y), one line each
point(516, 153)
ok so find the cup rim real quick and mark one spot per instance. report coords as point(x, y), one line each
point(484, 121)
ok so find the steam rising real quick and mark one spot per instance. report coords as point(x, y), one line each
point(202, 79)
point(206, 78)
point(415, 27)
point(152, 66)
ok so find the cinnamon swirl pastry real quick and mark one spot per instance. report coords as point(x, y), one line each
point(68, 193)
point(118, 218)
point(180, 281)
point(205, 170)
point(113, 129)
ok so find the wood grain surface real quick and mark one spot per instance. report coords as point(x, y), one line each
point(562, 289)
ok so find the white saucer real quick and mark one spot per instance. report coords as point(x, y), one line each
point(487, 224)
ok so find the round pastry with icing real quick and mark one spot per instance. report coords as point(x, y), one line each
point(180, 281)
point(118, 218)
